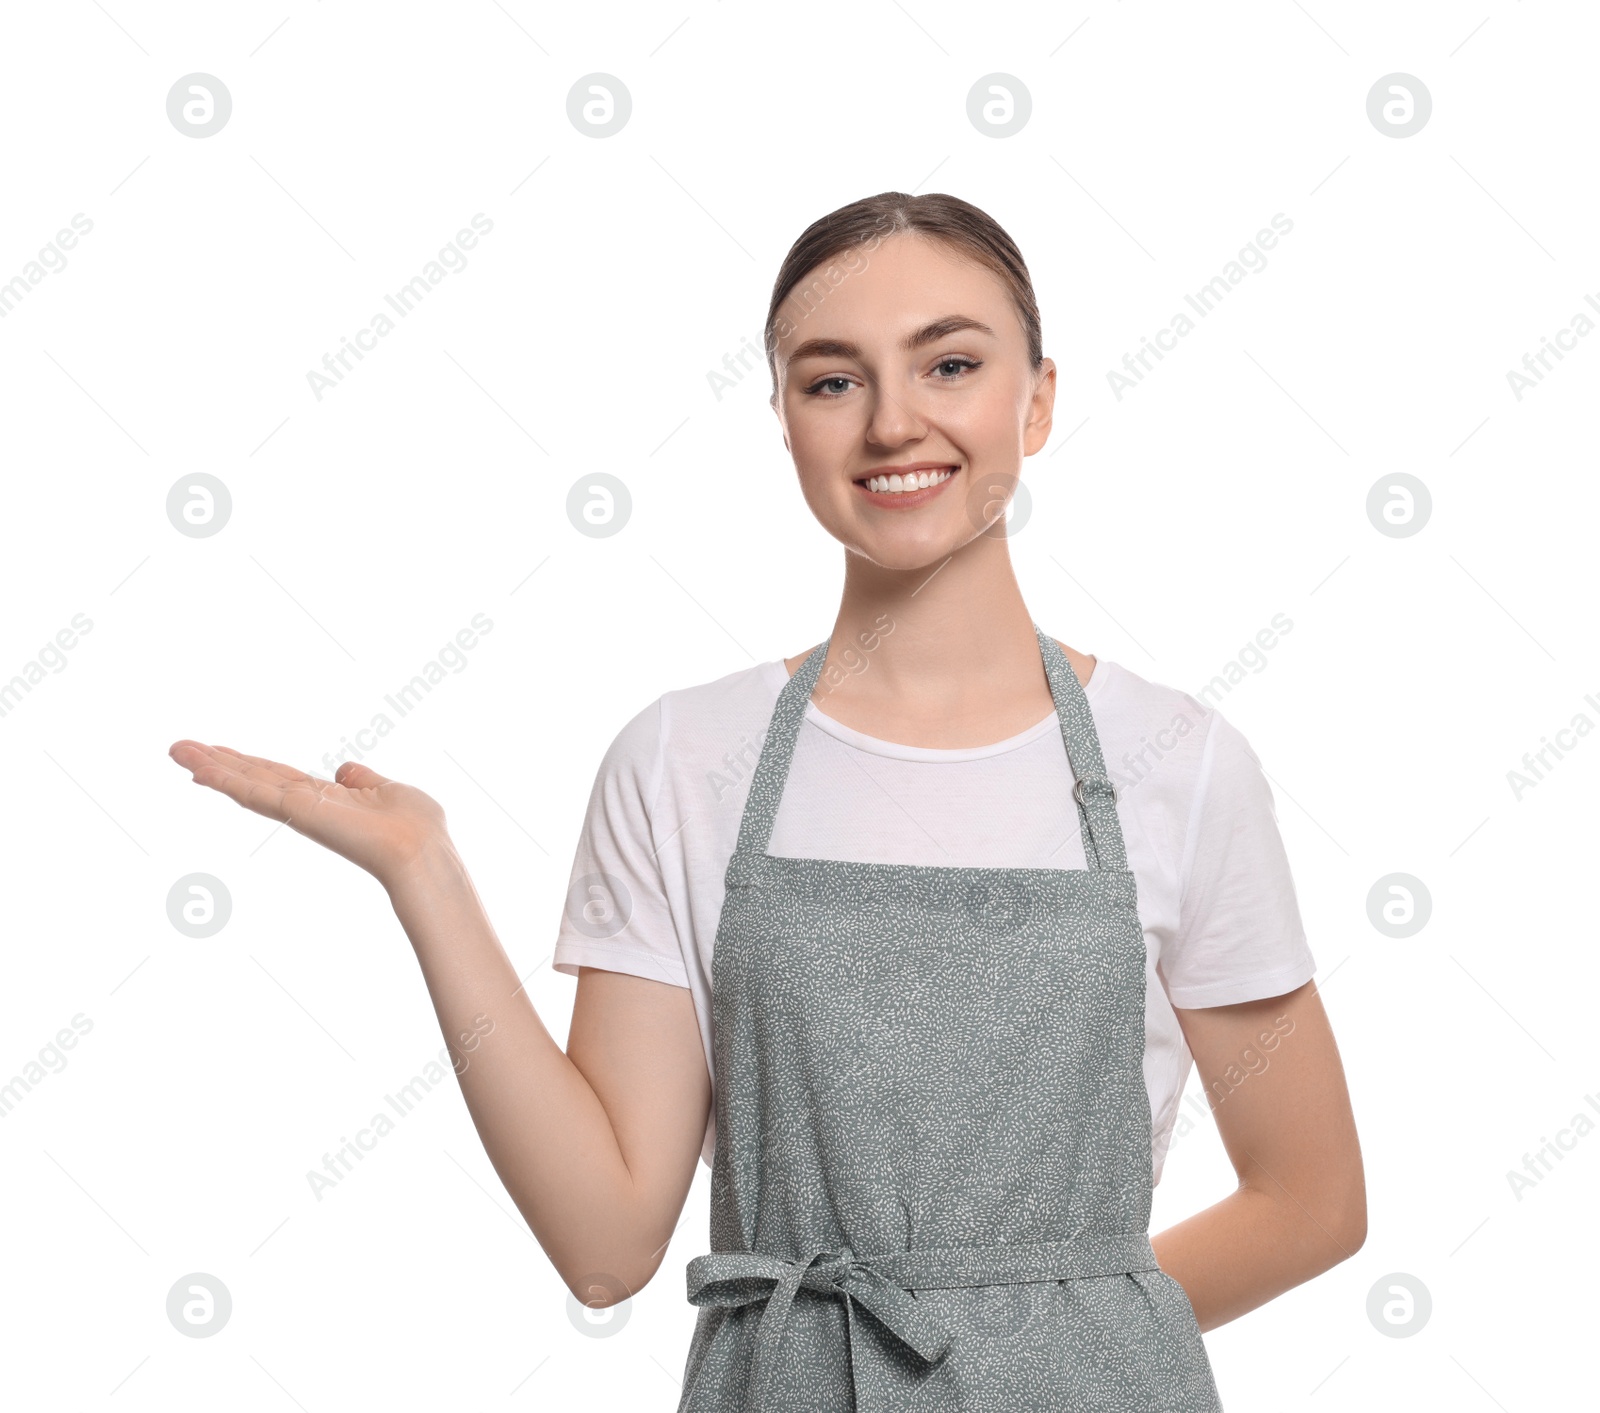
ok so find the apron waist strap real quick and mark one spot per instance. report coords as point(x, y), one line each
point(883, 1283)
point(1096, 1254)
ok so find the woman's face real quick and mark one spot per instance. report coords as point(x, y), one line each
point(915, 358)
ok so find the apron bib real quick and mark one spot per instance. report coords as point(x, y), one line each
point(932, 1180)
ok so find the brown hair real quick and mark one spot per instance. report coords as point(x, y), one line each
point(864, 224)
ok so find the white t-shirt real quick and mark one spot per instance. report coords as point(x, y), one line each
point(1215, 896)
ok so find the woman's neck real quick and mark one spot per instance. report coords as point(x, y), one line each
point(935, 673)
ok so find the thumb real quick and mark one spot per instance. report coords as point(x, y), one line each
point(356, 776)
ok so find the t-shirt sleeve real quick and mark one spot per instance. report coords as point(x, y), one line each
point(617, 914)
point(1239, 934)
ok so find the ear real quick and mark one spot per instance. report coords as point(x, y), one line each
point(1041, 409)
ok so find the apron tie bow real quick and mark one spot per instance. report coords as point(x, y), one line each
point(883, 1284)
point(741, 1278)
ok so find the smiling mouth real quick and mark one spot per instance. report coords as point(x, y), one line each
point(908, 484)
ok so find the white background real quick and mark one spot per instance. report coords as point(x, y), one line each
point(431, 484)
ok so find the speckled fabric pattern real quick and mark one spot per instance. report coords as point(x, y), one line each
point(931, 1188)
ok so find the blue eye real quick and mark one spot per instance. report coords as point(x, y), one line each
point(814, 389)
point(961, 362)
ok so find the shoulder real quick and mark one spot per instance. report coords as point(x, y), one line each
point(682, 725)
point(729, 698)
point(1130, 704)
point(1178, 755)
point(1082, 663)
point(1162, 748)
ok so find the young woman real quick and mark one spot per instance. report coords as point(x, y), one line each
point(912, 937)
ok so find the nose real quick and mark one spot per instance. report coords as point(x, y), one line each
point(894, 418)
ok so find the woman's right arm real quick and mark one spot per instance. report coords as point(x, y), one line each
point(597, 1145)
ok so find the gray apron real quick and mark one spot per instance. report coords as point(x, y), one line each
point(931, 1186)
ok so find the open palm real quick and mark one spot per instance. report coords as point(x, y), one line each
point(378, 824)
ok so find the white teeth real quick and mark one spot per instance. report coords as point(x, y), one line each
point(916, 481)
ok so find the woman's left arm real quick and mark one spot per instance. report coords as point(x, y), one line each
point(1277, 1090)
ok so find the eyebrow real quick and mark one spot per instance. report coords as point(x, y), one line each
point(928, 333)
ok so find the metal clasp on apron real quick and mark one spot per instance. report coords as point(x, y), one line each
point(1100, 784)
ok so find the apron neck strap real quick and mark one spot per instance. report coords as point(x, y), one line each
point(1093, 792)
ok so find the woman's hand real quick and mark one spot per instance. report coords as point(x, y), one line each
point(376, 823)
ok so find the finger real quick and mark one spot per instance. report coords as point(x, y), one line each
point(191, 755)
point(185, 751)
point(278, 768)
point(271, 789)
point(244, 784)
point(356, 776)
point(256, 788)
